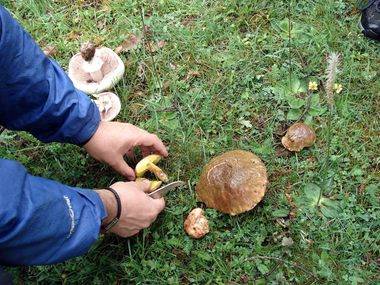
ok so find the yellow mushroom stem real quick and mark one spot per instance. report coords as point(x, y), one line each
point(160, 174)
point(154, 185)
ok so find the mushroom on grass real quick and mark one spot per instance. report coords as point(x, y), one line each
point(196, 224)
point(298, 136)
point(95, 70)
point(109, 105)
point(233, 183)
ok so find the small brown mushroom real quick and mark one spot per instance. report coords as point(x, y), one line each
point(298, 136)
point(109, 105)
point(196, 224)
point(149, 164)
point(233, 183)
point(95, 70)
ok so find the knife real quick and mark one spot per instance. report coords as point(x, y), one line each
point(161, 192)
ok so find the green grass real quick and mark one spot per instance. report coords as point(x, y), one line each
point(242, 52)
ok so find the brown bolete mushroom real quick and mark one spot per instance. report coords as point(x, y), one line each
point(149, 164)
point(196, 224)
point(109, 105)
point(95, 70)
point(233, 183)
point(298, 136)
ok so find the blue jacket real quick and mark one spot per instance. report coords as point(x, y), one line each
point(42, 221)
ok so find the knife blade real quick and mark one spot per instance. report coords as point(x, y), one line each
point(161, 192)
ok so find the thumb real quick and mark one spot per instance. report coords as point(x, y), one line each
point(159, 204)
point(123, 168)
point(143, 185)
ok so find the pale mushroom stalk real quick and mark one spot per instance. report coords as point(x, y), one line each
point(94, 68)
point(149, 164)
point(93, 64)
point(158, 172)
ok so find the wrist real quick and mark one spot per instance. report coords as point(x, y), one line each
point(110, 205)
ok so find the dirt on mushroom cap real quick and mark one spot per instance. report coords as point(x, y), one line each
point(196, 224)
point(233, 183)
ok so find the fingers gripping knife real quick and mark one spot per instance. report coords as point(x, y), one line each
point(161, 192)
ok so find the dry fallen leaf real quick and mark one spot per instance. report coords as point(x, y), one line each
point(147, 31)
point(141, 70)
point(50, 50)
point(154, 46)
point(73, 35)
point(173, 66)
point(128, 44)
point(192, 74)
point(287, 241)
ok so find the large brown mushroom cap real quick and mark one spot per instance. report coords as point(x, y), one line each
point(298, 136)
point(95, 71)
point(109, 105)
point(233, 183)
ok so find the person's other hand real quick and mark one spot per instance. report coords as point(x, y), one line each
point(139, 210)
point(113, 140)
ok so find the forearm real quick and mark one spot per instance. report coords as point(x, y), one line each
point(36, 95)
point(42, 221)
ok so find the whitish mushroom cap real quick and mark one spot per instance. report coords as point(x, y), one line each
point(233, 183)
point(109, 105)
point(143, 165)
point(112, 68)
point(298, 136)
point(196, 224)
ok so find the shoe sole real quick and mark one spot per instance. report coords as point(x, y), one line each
point(368, 33)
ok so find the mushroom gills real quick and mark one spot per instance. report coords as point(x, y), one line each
point(94, 69)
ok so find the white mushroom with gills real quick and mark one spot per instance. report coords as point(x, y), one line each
point(94, 70)
point(109, 105)
point(196, 224)
point(149, 164)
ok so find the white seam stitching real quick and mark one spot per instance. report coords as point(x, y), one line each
point(72, 216)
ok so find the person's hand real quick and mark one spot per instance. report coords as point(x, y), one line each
point(139, 210)
point(113, 140)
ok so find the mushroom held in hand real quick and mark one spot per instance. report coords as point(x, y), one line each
point(109, 105)
point(196, 224)
point(149, 164)
point(233, 183)
point(298, 136)
point(95, 70)
point(153, 185)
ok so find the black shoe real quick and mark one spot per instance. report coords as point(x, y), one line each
point(370, 21)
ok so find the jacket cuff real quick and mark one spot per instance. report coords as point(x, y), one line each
point(86, 133)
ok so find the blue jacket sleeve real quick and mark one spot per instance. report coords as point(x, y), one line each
point(36, 95)
point(42, 221)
